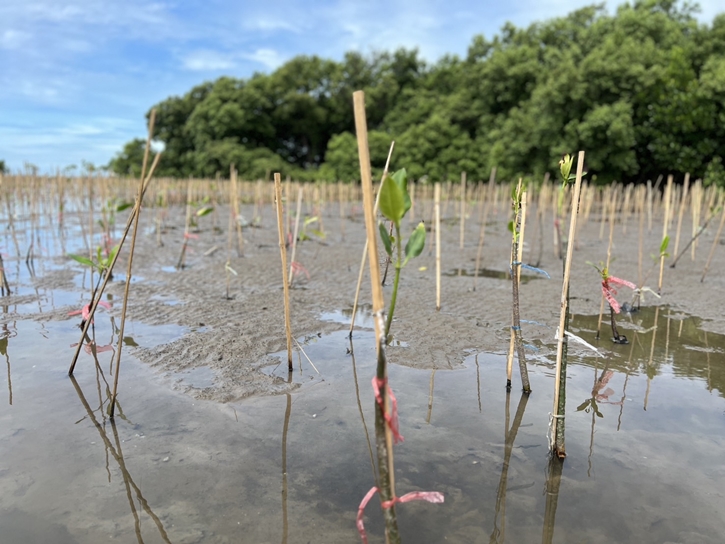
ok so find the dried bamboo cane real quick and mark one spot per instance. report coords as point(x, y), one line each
point(463, 210)
point(681, 212)
point(667, 197)
point(365, 249)
point(383, 433)
point(560, 380)
point(437, 208)
point(294, 237)
point(129, 268)
point(606, 266)
point(283, 256)
point(99, 292)
point(714, 244)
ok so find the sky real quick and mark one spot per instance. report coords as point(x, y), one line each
point(77, 76)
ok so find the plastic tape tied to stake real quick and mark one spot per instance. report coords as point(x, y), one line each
point(390, 419)
point(429, 496)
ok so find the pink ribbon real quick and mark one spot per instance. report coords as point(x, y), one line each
point(390, 419)
point(85, 312)
point(610, 291)
point(430, 496)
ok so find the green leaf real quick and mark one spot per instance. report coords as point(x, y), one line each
point(107, 262)
point(392, 201)
point(386, 238)
point(415, 244)
point(583, 405)
point(401, 179)
point(123, 206)
point(85, 261)
point(663, 245)
point(318, 233)
point(206, 210)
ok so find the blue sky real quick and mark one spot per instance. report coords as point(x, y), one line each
point(77, 76)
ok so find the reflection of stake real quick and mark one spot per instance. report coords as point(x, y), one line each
point(287, 413)
point(510, 438)
point(362, 415)
point(118, 456)
point(651, 356)
point(553, 483)
point(430, 396)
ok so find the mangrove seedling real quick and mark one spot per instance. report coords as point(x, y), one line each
point(657, 259)
point(394, 204)
point(516, 228)
point(609, 291)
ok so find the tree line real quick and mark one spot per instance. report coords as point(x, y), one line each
point(641, 90)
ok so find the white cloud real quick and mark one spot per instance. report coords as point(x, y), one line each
point(269, 58)
point(206, 60)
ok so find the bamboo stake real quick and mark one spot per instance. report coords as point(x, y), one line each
point(129, 268)
point(99, 292)
point(560, 383)
point(481, 236)
point(437, 208)
point(365, 249)
point(681, 212)
point(283, 256)
point(294, 238)
point(695, 237)
point(235, 208)
point(609, 259)
point(463, 210)
point(516, 259)
point(668, 194)
point(696, 209)
point(189, 192)
point(383, 433)
point(714, 244)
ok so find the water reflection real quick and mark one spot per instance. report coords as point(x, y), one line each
point(5, 335)
point(551, 490)
point(653, 351)
point(498, 535)
point(117, 454)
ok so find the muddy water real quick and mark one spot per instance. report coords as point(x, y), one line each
point(645, 426)
point(645, 431)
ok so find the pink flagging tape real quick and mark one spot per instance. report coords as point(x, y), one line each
point(391, 420)
point(430, 496)
point(610, 291)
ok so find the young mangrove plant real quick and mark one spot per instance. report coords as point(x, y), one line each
point(394, 193)
point(609, 291)
point(394, 204)
point(516, 227)
point(657, 259)
point(100, 263)
point(556, 423)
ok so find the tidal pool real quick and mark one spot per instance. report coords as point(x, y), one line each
point(645, 426)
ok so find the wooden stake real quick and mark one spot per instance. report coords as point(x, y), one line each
point(714, 243)
point(283, 256)
point(463, 210)
point(383, 433)
point(559, 391)
point(294, 238)
point(437, 208)
point(365, 249)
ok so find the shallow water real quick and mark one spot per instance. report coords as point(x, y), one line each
point(173, 469)
point(645, 426)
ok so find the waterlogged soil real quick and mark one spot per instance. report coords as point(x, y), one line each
point(235, 336)
point(215, 442)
